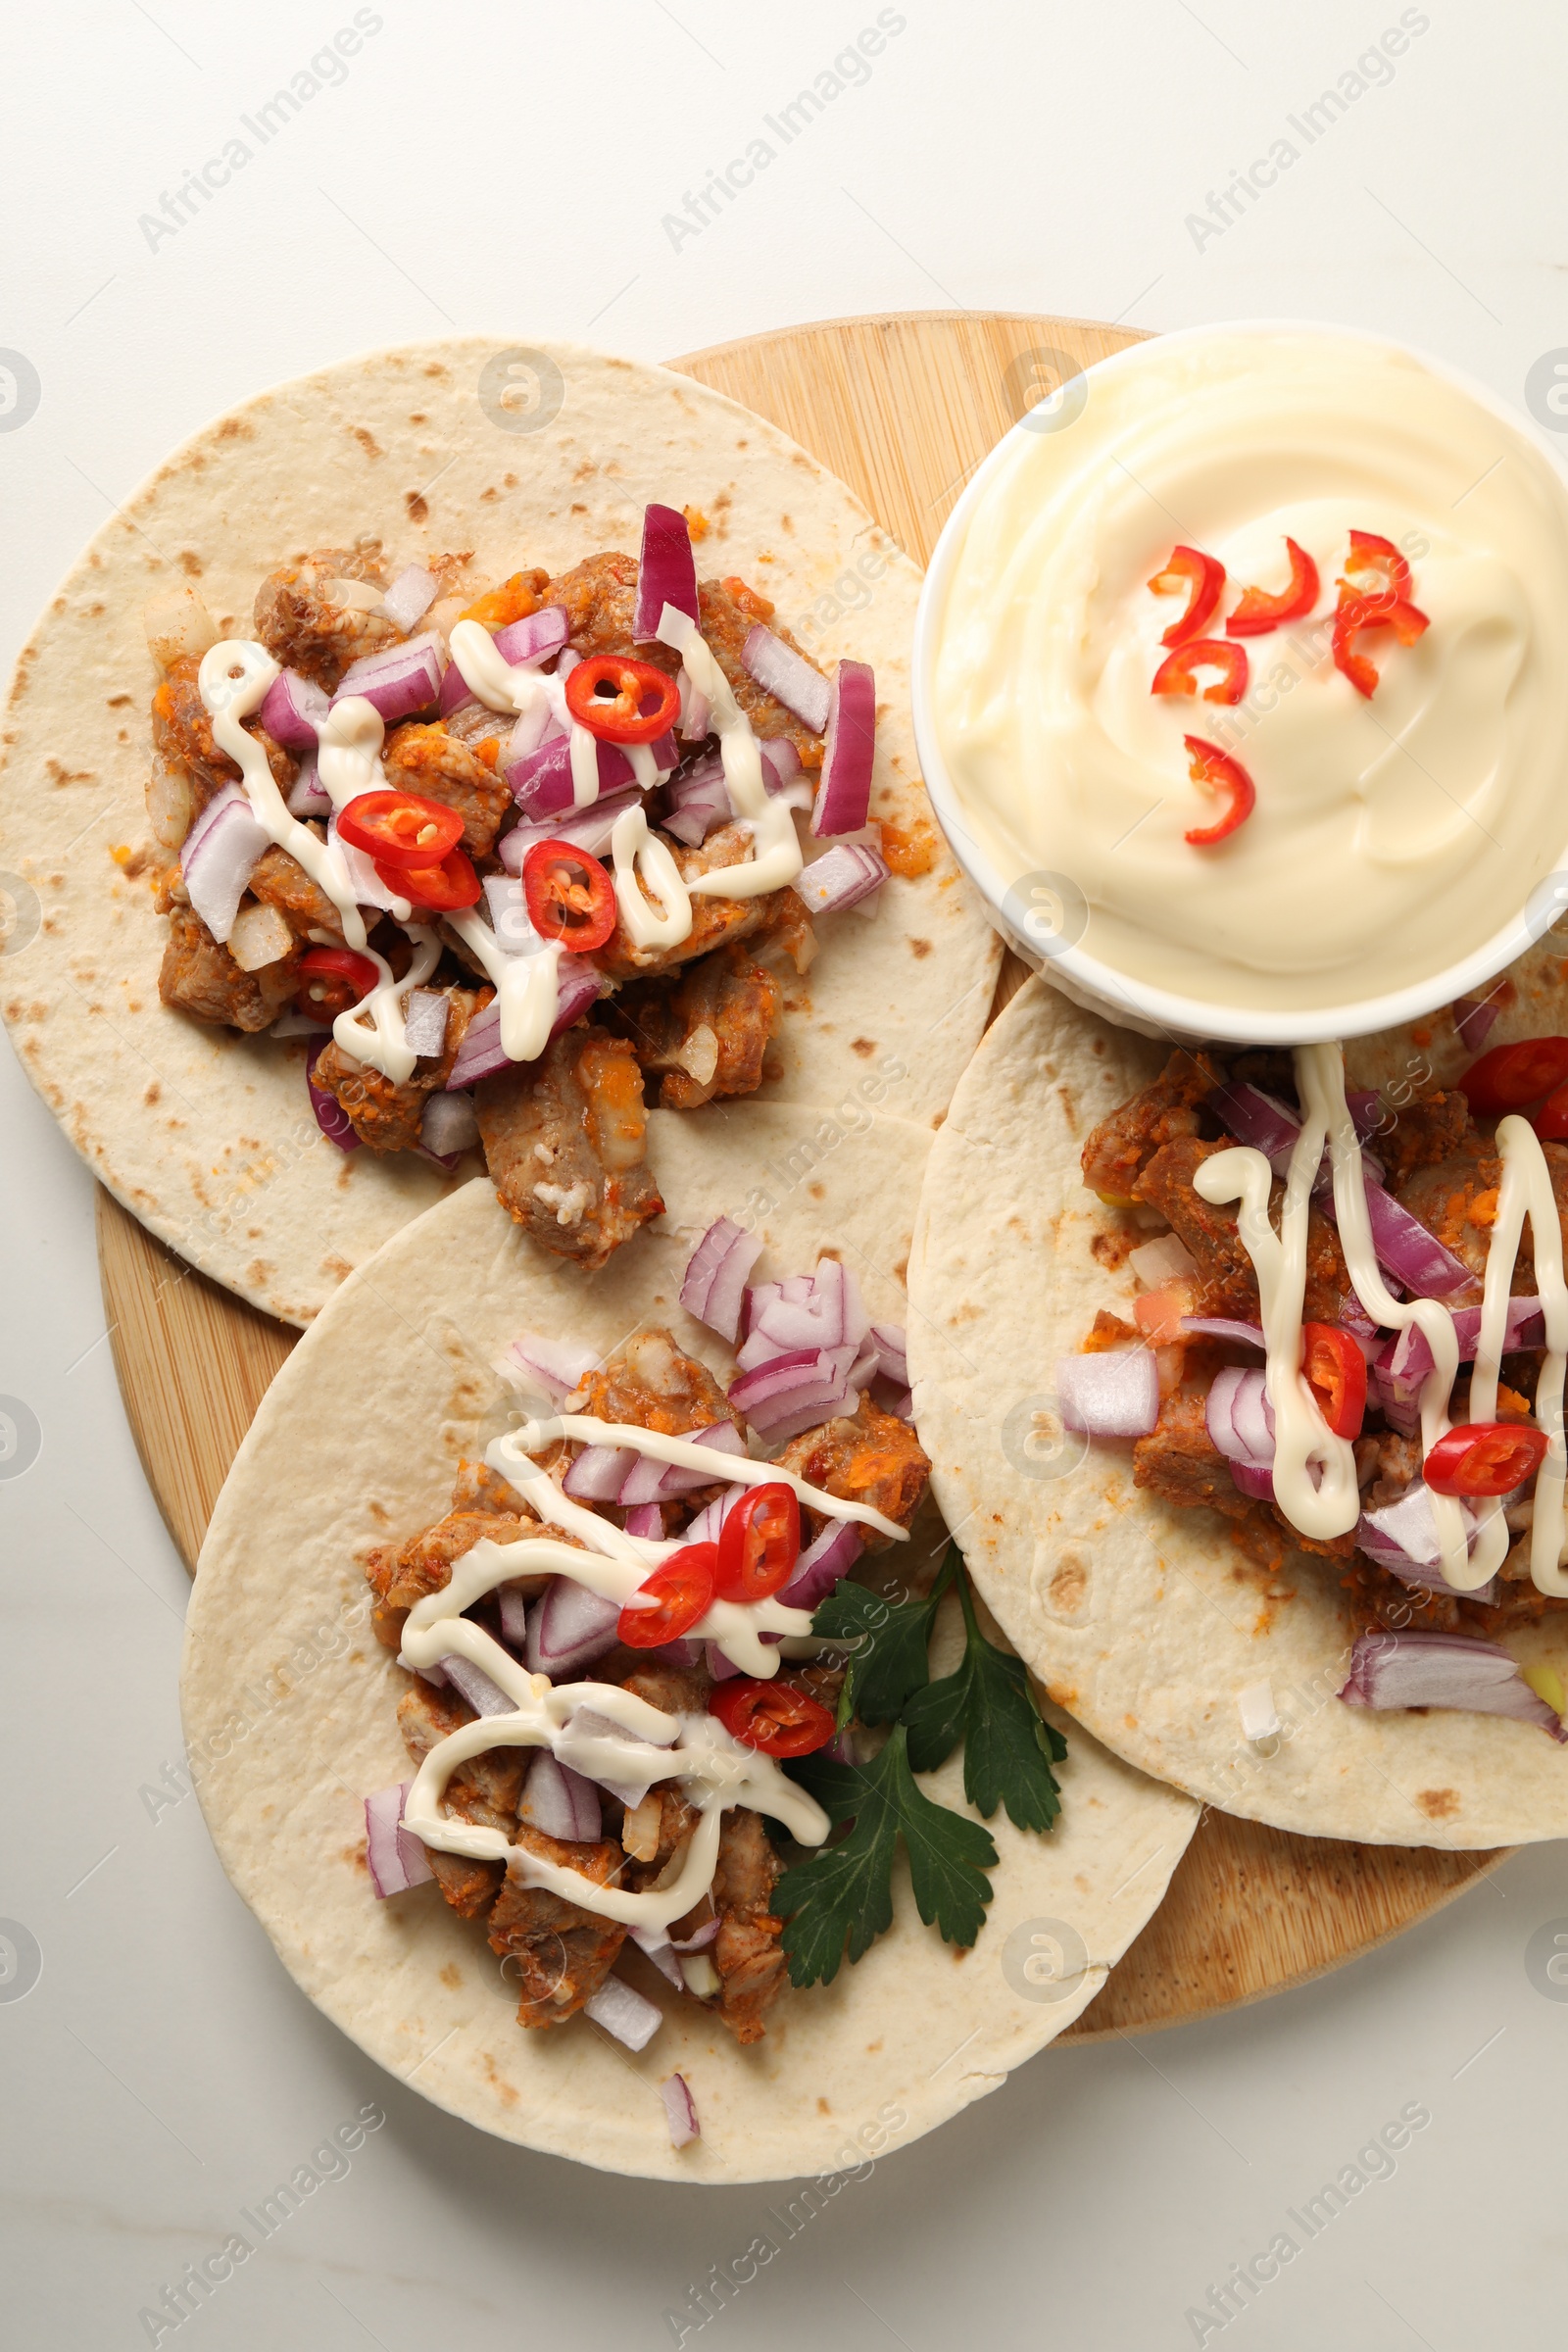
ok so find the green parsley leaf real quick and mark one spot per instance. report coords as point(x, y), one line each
point(1009, 1748)
point(890, 1659)
point(844, 1892)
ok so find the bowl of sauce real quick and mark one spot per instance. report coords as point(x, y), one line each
point(1240, 685)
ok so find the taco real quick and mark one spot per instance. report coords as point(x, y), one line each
point(466, 820)
point(504, 1591)
point(1254, 1416)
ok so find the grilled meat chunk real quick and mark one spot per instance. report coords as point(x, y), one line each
point(183, 736)
point(1431, 1129)
point(428, 759)
point(1456, 1199)
point(321, 614)
point(747, 1952)
point(388, 1117)
point(564, 1952)
point(728, 613)
point(1230, 1286)
point(678, 1689)
point(402, 1574)
point(483, 1790)
point(1180, 1462)
point(868, 1457)
point(1121, 1147)
point(708, 1033)
point(564, 1139)
point(202, 978)
point(280, 880)
point(714, 920)
point(650, 1384)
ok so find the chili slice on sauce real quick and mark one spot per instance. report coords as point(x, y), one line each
point(774, 1717)
point(621, 701)
point(1483, 1458)
point(681, 1590)
point(569, 896)
point(1510, 1076)
point(399, 828)
point(1177, 674)
point(1380, 611)
point(759, 1544)
point(1257, 612)
point(1336, 1374)
point(1201, 577)
point(333, 980)
point(1377, 556)
point(1217, 772)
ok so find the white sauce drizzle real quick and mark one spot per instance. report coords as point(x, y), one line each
point(1302, 1437)
point(527, 987)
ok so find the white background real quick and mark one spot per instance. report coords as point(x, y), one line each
point(507, 169)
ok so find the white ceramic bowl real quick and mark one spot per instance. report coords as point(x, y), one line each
point(1134, 1002)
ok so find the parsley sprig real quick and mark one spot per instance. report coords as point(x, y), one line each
point(842, 1896)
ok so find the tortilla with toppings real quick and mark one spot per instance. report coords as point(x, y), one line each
point(373, 586)
point(381, 1578)
point(1378, 1649)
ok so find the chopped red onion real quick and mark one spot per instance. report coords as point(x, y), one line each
point(811, 1310)
point(559, 1366)
point(449, 1127)
point(656, 1944)
point(790, 679)
point(1254, 1480)
point(298, 1024)
point(623, 2011)
point(410, 597)
point(514, 1603)
point(1408, 1359)
point(722, 1669)
point(541, 782)
point(507, 910)
point(666, 572)
point(791, 1392)
point(902, 1406)
point(1365, 1106)
point(397, 683)
point(292, 710)
point(1473, 1017)
point(568, 1628)
point(848, 873)
point(650, 1480)
point(1405, 1249)
point(703, 1528)
point(1403, 1538)
point(424, 1025)
point(535, 638)
point(483, 1695)
point(457, 694)
point(559, 1801)
point(822, 1564)
point(696, 711)
point(598, 1473)
point(647, 1520)
point(1258, 1119)
point(397, 1860)
point(645, 1758)
point(308, 796)
point(681, 2109)
point(1240, 1417)
point(1442, 1670)
point(713, 1287)
point(1225, 1327)
point(1113, 1394)
point(331, 1116)
point(892, 1350)
point(587, 830)
point(481, 1054)
point(844, 793)
point(219, 857)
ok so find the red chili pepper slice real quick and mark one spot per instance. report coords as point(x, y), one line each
point(1218, 772)
point(568, 895)
point(1258, 610)
point(1202, 577)
point(681, 1590)
point(759, 1544)
point(1378, 611)
point(401, 828)
point(1510, 1076)
point(442, 889)
point(1483, 1458)
point(773, 1716)
point(621, 701)
point(1550, 1121)
point(332, 980)
point(1379, 560)
point(1336, 1374)
point(1176, 675)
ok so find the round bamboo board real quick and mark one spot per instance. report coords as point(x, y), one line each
point(903, 409)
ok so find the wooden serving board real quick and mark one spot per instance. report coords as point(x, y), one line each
point(903, 409)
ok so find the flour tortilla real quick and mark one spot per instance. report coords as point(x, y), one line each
point(1146, 1620)
point(289, 1719)
point(207, 1137)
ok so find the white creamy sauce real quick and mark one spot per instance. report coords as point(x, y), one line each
point(713, 1770)
point(1329, 1504)
point(1395, 834)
